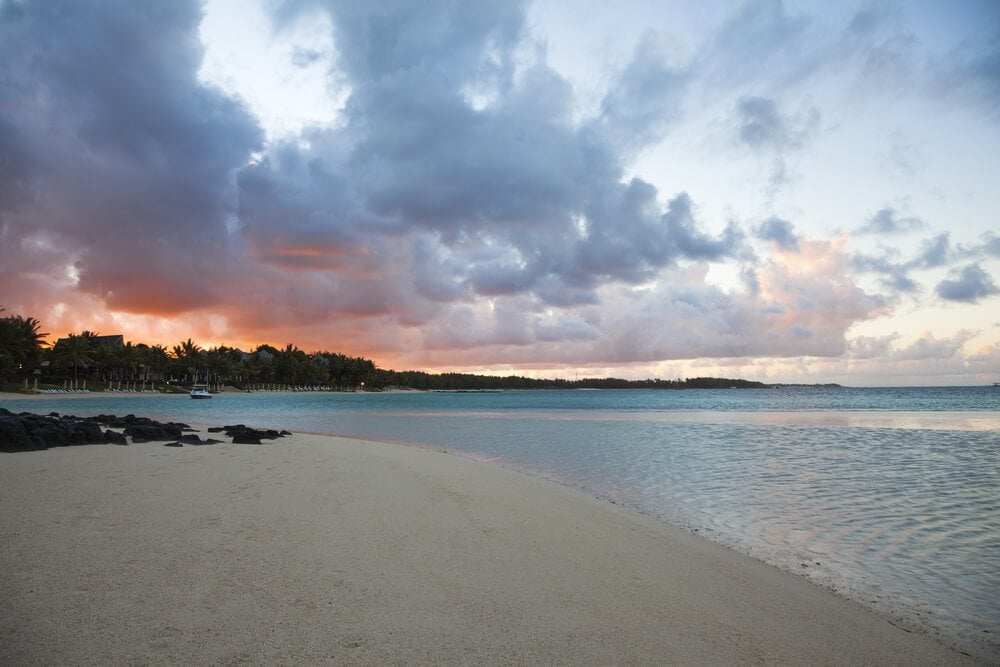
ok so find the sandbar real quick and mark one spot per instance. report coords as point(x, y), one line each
point(316, 549)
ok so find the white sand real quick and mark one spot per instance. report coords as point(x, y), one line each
point(318, 549)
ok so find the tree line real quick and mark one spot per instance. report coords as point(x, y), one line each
point(88, 357)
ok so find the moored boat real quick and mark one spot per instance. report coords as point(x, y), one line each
point(200, 391)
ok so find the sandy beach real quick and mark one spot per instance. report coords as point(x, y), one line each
point(318, 549)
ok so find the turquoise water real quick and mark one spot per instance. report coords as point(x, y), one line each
point(889, 496)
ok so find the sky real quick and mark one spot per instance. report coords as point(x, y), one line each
point(782, 191)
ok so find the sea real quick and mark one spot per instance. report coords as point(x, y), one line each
point(888, 496)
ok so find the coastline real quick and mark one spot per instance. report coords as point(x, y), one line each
point(317, 548)
point(12, 395)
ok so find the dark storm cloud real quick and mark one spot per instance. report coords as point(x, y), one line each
point(780, 232)
point(17, 167)
point(127, 158)
point(968, 284)
point(888, 221)
point(517, 196)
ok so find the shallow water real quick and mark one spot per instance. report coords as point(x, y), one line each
point(890, 496)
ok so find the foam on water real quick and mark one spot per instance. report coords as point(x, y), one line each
point(888, 496)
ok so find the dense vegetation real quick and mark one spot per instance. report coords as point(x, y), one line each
point(88, 357)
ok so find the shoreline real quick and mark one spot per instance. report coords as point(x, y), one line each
point(320, 548)
point(12, 395)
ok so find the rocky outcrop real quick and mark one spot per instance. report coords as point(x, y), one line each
point(192, 439)
point(23, 432)
point(244, 435)
point(115, 438)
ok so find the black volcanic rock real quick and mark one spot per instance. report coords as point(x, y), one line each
point(25, 431)
point(14, 437)
point(29, 432)
point(87, 432)
point(244, 435)
point(154, 431)
point(194, 440)
point(115, 438)
point(49, 432)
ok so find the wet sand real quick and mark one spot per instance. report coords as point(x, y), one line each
point(320, 549)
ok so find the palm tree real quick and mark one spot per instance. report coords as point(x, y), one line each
point(102, 361)
point(218, 365)
point(155, 358)
point(188, 353)
point(20, 341)
point(128, 357)
point(73, 350)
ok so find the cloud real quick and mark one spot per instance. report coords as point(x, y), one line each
point(968, 284)
point(514, 197)
point(928, 347)
point(762, 126)
point(645, 98)
point(767, 131)
point(986, 359)
point(904, 157)
point(459, 211)
point(991, 244)
point(133, 183)
point(759, 37)
point(972, 70)
point(934, 252)
point(804, 306)
point(895, 275)
point(871, 347)
point(888, 221)
point(121, 165)
point(780, 232)
point(885, 360)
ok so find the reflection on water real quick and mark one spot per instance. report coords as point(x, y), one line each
point(941, 420)
point(892, 500)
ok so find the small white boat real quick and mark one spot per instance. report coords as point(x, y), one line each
point(200, 391)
